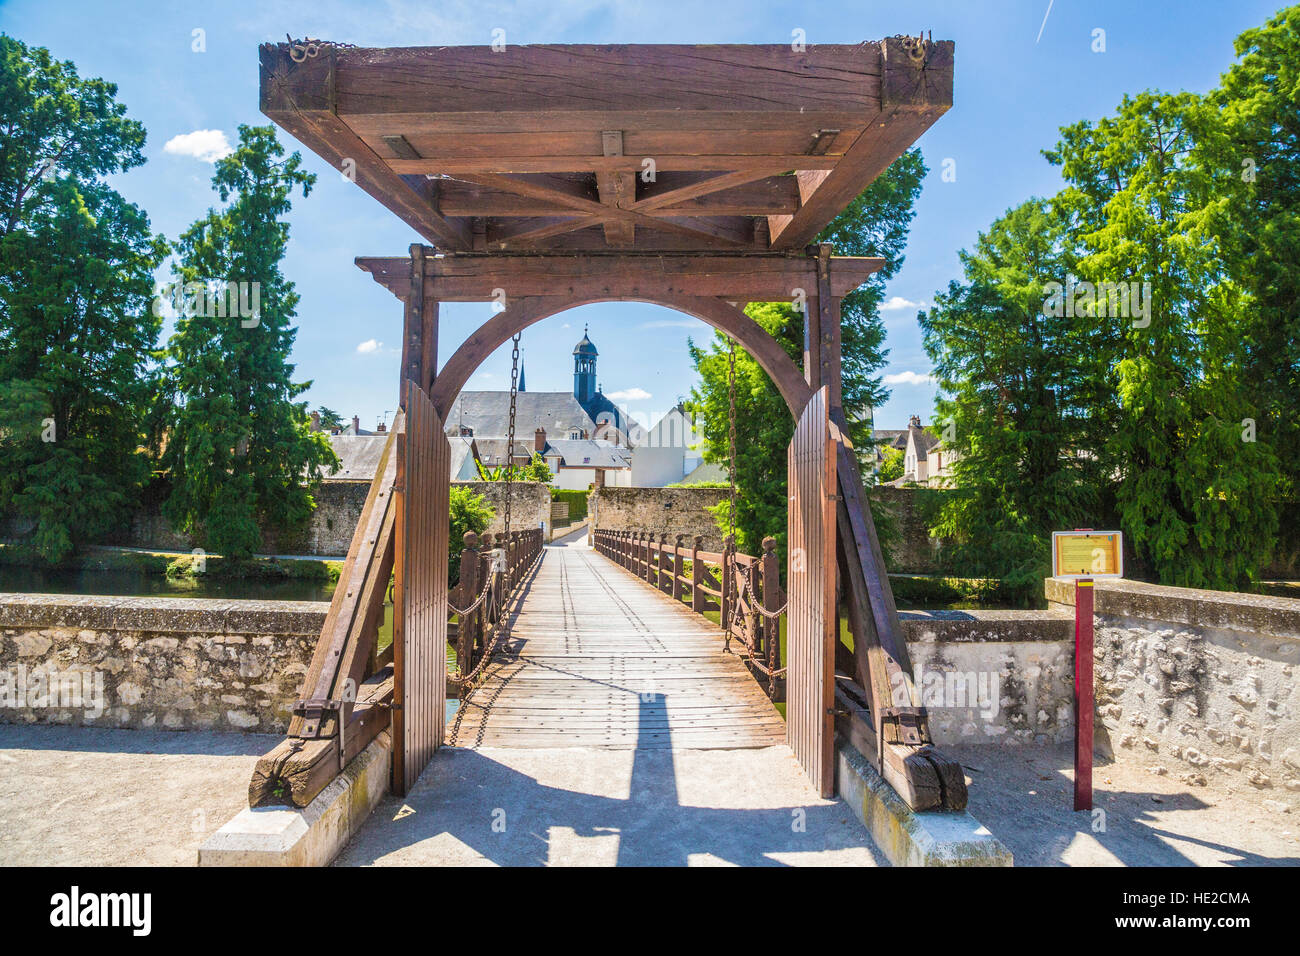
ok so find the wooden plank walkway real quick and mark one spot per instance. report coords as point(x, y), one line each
point(596, 658)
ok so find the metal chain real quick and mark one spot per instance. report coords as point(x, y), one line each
point(498, 631)
point(477, 601)
point(731, 433)
point(749, 589)
point(302, 50)
point(510, 435)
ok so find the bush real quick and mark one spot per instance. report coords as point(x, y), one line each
point(469, 512)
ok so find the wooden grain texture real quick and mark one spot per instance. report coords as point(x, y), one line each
point(593, 117)
point(420, 590)
point(813, 622)
point(597, 658)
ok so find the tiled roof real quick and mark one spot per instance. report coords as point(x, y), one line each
point(587, 453)
point(358, 456)
point(488, 414)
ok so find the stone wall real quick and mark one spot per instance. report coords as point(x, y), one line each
point(994, 677)
point(174, 663)
point(530, 504)
point(670, 511)
point(1198, 684)
point(327, 533)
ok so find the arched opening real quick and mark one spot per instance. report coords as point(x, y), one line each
point(525, 312)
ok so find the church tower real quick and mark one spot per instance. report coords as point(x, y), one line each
point(584, 370)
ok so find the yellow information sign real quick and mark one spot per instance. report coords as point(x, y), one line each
point(1087, 554)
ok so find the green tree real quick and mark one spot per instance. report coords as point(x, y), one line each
point(1196, 500)
point(469, 512)
point(1022, 400)
point(76, 329)
point(891, 465)
point(240, 451)
point(1250, 144)
point(329, 419)
point(535, 470)
point(874, 224)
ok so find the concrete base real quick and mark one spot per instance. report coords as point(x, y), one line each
point(314, 835)
point(905, 837)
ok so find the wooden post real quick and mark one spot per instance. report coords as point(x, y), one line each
point(649, 552)
point(665, 584)
point(1083, 693)
point(470, 584)
point(698, 597)
point(677, 568)
point(828, 326)
point(724, 579)
point(413, 347)
point(769, 574)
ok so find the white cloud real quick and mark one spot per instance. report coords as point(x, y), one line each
point(908, 378)
point(369, 346)
point(897, 303)
point(629, 395)
point(208, 145)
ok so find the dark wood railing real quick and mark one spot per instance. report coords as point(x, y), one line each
point(744, 590)
point(489, 577)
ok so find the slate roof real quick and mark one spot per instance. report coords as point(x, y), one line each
point(492, 451)
point(706, 471)
point(488, 414)
point(358, 455)
point(587, 453)
point(461, 449)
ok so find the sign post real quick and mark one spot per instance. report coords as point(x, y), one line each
point(1084, 554)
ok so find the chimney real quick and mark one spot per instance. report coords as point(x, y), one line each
point(539, 440)
point(356, 425)
point(381, 428)
point(914, 421)
point(315, 421)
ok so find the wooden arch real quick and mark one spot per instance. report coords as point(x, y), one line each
point(723, 316)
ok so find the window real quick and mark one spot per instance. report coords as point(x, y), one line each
point(574, 435)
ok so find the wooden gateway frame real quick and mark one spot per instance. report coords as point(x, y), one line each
point(693, 177)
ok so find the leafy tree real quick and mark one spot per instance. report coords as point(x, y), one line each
point(239, 450)
point(1020, 401)
point(329, 419)
point(1195, 498)
point(76, 331)
point(891, 467)
point(874, 224)
point(1250, 144)
point(535, 470)
point(469, 512)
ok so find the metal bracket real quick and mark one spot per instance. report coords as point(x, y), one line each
point(909, 722)
point(317, 708)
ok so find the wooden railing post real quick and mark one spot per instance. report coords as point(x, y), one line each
point(698, 597)
point(661, 576)
point(769, 576)
point(727, 587)
point(677, 568)
point(470, 585)
point(647, 571)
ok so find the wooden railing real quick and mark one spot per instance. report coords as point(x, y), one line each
point(489, 576)
point(744, 590)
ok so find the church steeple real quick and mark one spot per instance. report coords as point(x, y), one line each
point(521, 376)
point(584, 370)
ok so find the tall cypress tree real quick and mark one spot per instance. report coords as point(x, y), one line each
point(239, 447)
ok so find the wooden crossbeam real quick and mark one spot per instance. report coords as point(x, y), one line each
point(616, 189)
point(739, 278)
point(301, 97)
point(461, 168)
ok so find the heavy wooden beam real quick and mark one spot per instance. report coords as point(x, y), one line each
point(552, 81)
point(740, 278)
point(301, 97)
point(460, 168)
point(916, 89)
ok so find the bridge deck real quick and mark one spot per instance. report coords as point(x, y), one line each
point(596, 658)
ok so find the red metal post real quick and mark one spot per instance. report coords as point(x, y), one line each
point(1083, 694)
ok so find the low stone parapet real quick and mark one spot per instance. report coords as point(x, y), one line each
point(174, 663)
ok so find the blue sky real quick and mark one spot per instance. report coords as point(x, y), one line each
point(1013, 89)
